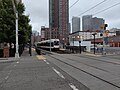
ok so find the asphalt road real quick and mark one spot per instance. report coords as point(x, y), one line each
point(95, 72)
point(61, 72)
point(35, 73)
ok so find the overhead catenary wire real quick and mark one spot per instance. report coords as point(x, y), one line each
point(93, 7)
point(74, 4)
point(106, 8)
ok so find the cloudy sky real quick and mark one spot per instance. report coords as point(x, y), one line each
point(38, 10)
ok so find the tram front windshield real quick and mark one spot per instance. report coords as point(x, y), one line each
point(56, 42)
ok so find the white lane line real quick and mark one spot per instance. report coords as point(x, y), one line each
point(17, 62)
point(58, 73)
point(73, 87)
point(6, 77)
point(47, 62)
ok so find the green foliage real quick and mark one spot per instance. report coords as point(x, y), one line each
point(7, 22)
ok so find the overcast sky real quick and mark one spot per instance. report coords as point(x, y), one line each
point(38, 10)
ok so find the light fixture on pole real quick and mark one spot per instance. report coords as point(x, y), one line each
point(94, 41)
point(79, 43)
point(16, 20)
point(73, 39)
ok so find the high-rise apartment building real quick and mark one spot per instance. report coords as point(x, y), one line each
point(87, 23)
point(75, 24)
point(59, 18)
point(97, 23)
point(90, 23)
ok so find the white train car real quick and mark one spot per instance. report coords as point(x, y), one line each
point(55, 44)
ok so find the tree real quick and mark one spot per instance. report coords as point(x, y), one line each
point(7, 23)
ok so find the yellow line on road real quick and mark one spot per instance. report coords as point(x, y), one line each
point(40, 57)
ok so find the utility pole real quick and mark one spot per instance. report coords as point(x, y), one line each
point(50, 34)
point(104, 45)
point(30, 51)
point(16, 14)
point(80, 46)
point(94, 41)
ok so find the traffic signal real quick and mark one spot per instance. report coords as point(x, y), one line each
point(105, 25)
point(101, 34)
point(106, 32)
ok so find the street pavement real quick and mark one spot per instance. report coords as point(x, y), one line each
point(97, 72)
point(35, 73)
point(84, 71)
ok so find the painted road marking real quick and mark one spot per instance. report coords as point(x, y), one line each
point(17, 62)
point(40, 57)
point(73, 87)
point(58, 73)
point(46, 62)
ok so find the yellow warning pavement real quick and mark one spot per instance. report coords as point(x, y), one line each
point(33, 49)
point(40, 57)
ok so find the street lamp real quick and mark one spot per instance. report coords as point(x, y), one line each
point(73, 39)
point(79, 43)
point(16, 14)
point(63, 42)
point(94, 41)
point(104, 45)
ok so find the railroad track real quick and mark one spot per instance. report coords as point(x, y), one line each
point(89, 73)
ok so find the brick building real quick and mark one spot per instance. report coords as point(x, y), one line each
point(59, 19)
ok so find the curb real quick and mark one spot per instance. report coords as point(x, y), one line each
point(7, 60)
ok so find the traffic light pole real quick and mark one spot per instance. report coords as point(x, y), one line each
point(104, 45)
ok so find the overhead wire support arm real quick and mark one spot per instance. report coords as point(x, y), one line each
point(74, 4)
